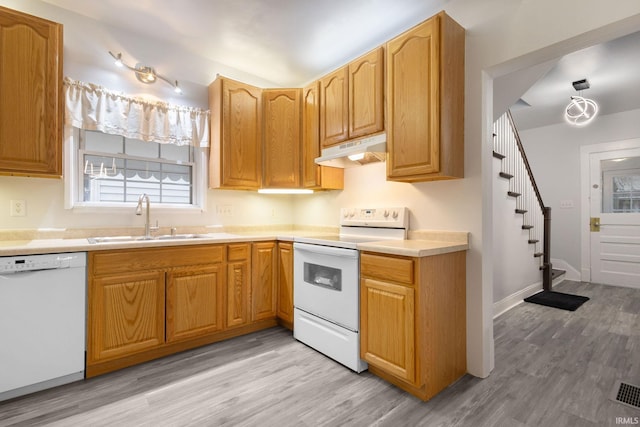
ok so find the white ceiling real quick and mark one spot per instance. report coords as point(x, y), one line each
point(612, 69)
point(287, 42)
point(292, 42)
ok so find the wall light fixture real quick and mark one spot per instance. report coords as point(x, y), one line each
point(144, 73)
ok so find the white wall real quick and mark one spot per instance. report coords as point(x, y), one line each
point(554, 155)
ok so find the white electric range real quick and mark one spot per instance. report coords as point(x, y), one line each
point(326, 281)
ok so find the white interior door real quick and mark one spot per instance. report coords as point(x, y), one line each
point(615, 217)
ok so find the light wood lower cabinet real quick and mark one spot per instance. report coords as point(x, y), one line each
point(148, 303)
point(285, 284)
point(389, 324)
point(413, 320)
point(195, 301)
point(263, 287)
point(238, 284)
point(126, 314)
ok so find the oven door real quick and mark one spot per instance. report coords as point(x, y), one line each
point(326, 283)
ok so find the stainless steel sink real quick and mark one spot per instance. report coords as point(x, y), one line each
point(180, 236)
point(124, 239)
point(114, 239)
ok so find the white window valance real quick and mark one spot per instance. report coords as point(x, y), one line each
point(92, 107)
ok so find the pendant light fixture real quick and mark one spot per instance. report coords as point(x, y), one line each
point(580, 110)
point(145, 74)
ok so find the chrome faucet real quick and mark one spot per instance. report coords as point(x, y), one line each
point(147, 227)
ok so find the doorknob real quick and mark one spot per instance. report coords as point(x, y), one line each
point(594, 224)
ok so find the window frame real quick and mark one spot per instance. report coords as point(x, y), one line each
point(74, 178)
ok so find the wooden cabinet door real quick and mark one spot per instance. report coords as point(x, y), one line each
point(282, 138)
point(195, 301)
point(285, 282)
point(238, 284)
point(366, 94)
point(235, 159)
point(334, 107)
point(125, 314)
point(313, 175)
point(31, 99)
point(310, 135)
point(387, 324)
point(264, 280)
point(413, 125)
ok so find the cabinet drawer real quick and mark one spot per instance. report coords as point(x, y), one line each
point(238, 252)
point(387, 268)
point(127, 260)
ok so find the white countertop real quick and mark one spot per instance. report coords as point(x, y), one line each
point(413, 248)
point(416, 247)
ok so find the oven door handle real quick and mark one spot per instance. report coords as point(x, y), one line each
point(325, 250)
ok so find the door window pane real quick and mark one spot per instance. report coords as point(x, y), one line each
point(621, 185)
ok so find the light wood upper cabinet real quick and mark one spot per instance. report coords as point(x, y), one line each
point(235, 160)
point(352, 100)
point(31, 99)
point(194, 301)
point(282, 138)
point(334, 107)
point(313, 175)
point(126, 314)
point(264, 280)
point(366, 94)
point(285, 283)
point(425, 102)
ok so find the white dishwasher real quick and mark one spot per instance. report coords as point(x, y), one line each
point(42, 321)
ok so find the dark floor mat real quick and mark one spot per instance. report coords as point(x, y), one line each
point(558, 300)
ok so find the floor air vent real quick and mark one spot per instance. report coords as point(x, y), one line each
point(627, 394)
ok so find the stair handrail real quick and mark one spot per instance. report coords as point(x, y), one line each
point(546, 211)
point(524, 159)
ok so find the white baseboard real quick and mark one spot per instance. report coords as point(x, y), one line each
point(512, 300)
point(571, 273)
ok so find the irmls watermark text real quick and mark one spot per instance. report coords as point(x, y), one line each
point(629, 421)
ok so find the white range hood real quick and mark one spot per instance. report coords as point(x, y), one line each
point(355, 152)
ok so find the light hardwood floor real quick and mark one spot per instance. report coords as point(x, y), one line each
point(553, 368)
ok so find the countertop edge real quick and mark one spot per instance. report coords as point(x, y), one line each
point(411, 248)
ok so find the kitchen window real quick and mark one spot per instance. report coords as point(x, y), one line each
point(120, 147)
point(113, 170)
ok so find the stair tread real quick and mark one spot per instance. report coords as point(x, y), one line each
point(505, 175)
point(521, 211)
point(513, 194)
point(533, 241)
point(538, 254)
point(527, 227)
point(498, 155)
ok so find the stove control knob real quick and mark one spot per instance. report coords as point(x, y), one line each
point(386, 213)
point(345, 213)
point(352, 213)
point(395, 214)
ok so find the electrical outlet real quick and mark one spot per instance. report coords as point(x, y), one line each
point(224, 210)
point(18, 208)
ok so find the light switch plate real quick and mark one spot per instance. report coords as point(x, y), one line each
point(566, 204)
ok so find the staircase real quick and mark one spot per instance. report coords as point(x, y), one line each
point(536, 217)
